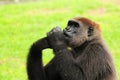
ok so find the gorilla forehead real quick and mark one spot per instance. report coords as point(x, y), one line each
point(87, 22)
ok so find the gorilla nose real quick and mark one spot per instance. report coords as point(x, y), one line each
point(68, 29)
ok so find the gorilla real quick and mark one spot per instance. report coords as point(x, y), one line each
point(80, 54)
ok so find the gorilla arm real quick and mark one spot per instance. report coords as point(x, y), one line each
point(65, 63)
point(34, 61)
point(35, 69)
point(68, 68)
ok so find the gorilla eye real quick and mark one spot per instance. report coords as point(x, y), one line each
point(76, 25)
point(90, 31)
point(73, 23)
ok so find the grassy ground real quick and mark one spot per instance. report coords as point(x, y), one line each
point(22, 24)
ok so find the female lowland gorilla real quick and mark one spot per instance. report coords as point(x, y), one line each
point(88, 58)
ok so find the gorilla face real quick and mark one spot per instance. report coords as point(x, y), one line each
point(71, 29)
point(77, 33)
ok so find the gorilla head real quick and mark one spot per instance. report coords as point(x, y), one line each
point(79, 30)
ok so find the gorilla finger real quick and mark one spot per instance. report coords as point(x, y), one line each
point(56, 29)
point(49, 33)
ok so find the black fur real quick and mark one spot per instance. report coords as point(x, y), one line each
point(89, 61)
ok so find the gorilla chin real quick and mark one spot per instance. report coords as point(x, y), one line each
point(67, 37)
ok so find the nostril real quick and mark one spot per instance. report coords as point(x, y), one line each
point(68, 29)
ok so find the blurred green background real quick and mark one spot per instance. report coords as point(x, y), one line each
point(23, 23)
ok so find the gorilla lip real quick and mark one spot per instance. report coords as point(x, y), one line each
point(66, 35)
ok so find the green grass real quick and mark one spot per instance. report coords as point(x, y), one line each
point(22, 24)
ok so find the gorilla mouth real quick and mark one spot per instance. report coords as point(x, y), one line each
point(66, 35)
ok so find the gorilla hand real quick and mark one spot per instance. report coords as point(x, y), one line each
point(56, 39)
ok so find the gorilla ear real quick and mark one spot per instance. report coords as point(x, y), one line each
point(90, 31)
